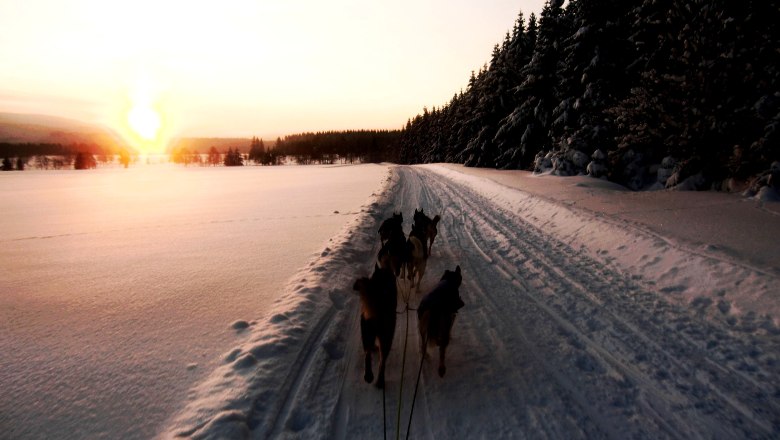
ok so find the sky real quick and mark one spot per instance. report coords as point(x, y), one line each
point(163, 68)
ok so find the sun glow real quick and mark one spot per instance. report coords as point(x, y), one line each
point(145, 121)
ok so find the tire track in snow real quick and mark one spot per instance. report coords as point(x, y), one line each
point(550, 266)
point(512, 351)
point(553, 343)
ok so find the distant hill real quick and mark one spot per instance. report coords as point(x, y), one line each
point(18, 129)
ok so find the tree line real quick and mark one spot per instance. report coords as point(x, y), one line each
point(620, 89)
point(347, 146)
point(18, 156)
point(352, 146)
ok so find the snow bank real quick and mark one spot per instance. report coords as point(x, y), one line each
point(303, 335)
point(684, 275)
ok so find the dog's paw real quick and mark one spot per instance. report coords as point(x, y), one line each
point(442, 370)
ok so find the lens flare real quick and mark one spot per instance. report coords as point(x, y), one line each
point(145, 117)
point(145, 121)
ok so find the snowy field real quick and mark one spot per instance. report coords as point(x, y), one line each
point(579, 323)
point(119, 289)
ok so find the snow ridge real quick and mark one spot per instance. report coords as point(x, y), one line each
point(687, 276)
point(284, 359)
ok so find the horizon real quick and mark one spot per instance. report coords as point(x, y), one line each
point(155, 71)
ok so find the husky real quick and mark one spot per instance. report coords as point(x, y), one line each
point(394, 253)
point(436, 314)
point(429, 226)
point(378, 300)
point(416, 259)
point(391, 226)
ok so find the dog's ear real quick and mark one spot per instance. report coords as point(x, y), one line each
point(457, 269)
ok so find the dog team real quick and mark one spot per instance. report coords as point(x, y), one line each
point(401, 256)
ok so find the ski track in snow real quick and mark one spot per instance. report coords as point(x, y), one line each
point(555, 341)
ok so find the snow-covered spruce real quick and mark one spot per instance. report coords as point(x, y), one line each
point(766, 186)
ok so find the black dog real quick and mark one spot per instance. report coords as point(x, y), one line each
point(391, 226)
point(378, 300)
point(437, 312)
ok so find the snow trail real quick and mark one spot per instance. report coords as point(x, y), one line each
point(555, 341)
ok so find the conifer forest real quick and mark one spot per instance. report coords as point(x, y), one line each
point(649, 93)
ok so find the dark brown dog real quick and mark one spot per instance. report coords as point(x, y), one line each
point(436, 314)
point(378, 300)
point(391, 226)
point(433, 231)
point(428, 228)
point(394, 252)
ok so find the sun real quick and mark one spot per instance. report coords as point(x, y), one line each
point(145, 121)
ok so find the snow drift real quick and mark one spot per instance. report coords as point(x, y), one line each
point(575, 327)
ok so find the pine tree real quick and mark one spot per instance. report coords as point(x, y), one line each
point(84, 161)
point(257, 150)
point(536, 93)
point(591, 76)
point(214, 158)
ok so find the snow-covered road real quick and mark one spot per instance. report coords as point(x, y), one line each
point(574, 327)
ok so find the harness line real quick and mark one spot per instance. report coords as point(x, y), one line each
point(403, 364)
point(417, 384)
point(406, 289)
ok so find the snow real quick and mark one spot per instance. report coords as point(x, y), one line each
point(578, 323)
point(120, 289)
point(591, 312)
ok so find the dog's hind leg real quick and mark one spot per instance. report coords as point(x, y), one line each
point(422, 327)
point(380, 381)
point(385, 342)
point(368, 338)
point(442, 368)
point(369, 374)
point(445, 327)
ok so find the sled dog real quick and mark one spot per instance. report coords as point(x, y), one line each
point(394, 253)
point(436, 314)
point(391, 226)
point(429, 226)
point(378, 300)
point(416, 260)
